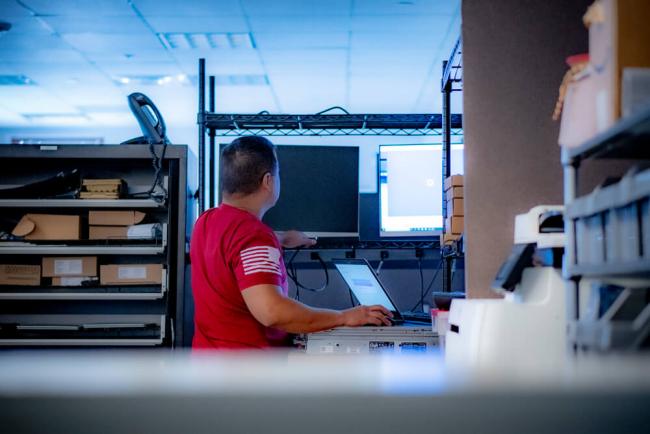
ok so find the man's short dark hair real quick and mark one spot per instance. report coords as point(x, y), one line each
point(244, 163)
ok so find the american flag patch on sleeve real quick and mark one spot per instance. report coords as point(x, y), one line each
point(261, 259)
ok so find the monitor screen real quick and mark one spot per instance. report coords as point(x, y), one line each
point(364, 285)
point(410, 188)
point(319, 192)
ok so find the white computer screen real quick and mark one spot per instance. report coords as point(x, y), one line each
point(364, 285)
point(410, 188)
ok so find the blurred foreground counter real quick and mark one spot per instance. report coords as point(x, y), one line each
point(173, 392)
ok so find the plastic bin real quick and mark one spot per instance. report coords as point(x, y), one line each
point(590, 243)
point(622, 234)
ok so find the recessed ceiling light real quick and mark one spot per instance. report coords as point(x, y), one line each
point(124, 80)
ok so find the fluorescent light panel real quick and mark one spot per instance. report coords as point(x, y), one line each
point(206, 41)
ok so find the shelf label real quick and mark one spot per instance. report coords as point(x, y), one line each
point(131, 273)
point(72, 281)
point(68, 267)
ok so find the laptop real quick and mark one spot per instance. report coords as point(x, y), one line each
point(365, 285)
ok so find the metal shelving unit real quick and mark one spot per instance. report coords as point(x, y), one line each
point(80, 203)
point(625, 322)
point(35, 249)
point(95, 315)
point(452, 81)
point(234, 125)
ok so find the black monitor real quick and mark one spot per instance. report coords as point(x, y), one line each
point(319, 191)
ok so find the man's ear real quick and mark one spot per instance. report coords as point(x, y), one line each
point(267, 181)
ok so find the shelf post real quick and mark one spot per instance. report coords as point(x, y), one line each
point(212, 134)
point(201, 122)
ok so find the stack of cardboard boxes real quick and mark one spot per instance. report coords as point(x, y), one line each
point(454, 194)
point(70, 271)
point(112, 225)
point(102, 189)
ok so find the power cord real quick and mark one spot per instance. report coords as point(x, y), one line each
point(157, 162)
point(426, 291)
point(292, 272)
point(336, 107)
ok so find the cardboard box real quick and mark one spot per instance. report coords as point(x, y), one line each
point(618, 39)
point(455, 225)
point(455, 193)
point(456, 207)
point(130, 274)
point(108, 232)
point(20, 275)
point(115, 218)
point(453, 181)
point(70, 266)
point(48, 227)
point(73, 281)
point(449, 238)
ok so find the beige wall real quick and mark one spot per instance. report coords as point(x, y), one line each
point(513, 63)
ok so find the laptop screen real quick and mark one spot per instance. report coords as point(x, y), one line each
point(364, 285)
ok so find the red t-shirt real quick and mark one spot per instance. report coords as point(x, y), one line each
point(232, 250)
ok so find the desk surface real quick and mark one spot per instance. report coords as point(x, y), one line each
point(290, 392)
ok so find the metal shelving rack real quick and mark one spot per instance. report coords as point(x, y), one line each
point(97, 315)
point(233, 125)
point(452, 81)
point(628, 139)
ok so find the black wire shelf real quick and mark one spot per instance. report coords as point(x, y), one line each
point(330, 125)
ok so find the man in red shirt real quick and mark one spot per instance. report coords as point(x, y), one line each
point(239, 280)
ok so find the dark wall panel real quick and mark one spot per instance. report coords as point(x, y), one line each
point(513, 63)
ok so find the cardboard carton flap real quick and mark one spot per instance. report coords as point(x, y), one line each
point(24, 227)
point(115, 218)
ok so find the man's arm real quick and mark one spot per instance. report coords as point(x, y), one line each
point(271, 308)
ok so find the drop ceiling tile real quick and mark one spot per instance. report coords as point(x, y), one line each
point(406, 7)
point(100, 95)
point(302, 61)
point(127, 68)
point(195, 8)
point(94, 42)
point(10, 9)
point(157, 55)
point(398, 41)
point(32, 100)
point(26, 26)
point(43, 57)
point(28, 42)
point(400, 24)
point(301, 23)
point(79, 7)
point(296, 7)
point(291, 40)
point(125, 24)
point(221, 61)
point(10, 118)
point(244, 99)
point(199, 24)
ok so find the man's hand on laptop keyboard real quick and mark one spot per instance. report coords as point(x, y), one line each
point(363, 315)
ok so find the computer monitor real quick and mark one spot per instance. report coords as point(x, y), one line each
point(319, 192)
point(410, 188)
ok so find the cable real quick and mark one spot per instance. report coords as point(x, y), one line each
point(264, 112)
point(421, 282)
point(292, 272)
point(333, 108)
point(426, 291)
point(157, 163)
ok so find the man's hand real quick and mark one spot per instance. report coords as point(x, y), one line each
point(361, 315)
point(293, 239)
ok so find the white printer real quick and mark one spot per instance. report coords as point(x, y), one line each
point(530, 321)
